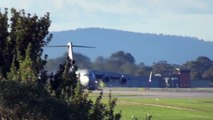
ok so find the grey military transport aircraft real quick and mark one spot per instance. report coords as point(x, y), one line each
point(88, 77)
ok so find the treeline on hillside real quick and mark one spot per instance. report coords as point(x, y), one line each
point(201, 68)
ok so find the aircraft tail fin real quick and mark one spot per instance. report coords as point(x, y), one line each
point(70, 48)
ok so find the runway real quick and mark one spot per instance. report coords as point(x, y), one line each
point(159, 93)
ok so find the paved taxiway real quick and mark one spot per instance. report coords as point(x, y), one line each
point(158, 93)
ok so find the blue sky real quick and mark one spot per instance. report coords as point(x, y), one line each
point(175, 17)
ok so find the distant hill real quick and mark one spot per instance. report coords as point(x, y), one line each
point(145, 47)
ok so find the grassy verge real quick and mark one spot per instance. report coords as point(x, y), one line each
point(165, 108)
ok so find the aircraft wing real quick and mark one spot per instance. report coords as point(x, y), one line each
point(111, 76)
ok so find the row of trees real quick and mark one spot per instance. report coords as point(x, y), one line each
point(25, 91)
point(201, 68)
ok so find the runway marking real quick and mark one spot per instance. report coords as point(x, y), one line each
point(167, 106)
point(156, 105)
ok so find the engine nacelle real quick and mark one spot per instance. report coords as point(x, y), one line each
point(123, 80)
point(106, 79)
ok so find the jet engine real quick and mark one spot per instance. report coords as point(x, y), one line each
point(123, 80)
point(106, 79)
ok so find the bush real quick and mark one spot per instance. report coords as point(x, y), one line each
point(67, 100)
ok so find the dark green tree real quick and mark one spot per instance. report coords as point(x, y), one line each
point(23, 97)
point(99, 109)
point(26, 71)
point(110, 112)
point(122, 57)
point(65, 87)
point(199, 68)
point(3, 42)
point(163, 68)
point(82, 61)
point(17, 34)
point(99, 63)
point(120, 62)
point(64, 81)
point(208, 75)
point(142, 69)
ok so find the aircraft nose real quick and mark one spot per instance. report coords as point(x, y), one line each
point(84, 80)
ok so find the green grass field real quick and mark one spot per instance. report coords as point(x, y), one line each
point(165, 108)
